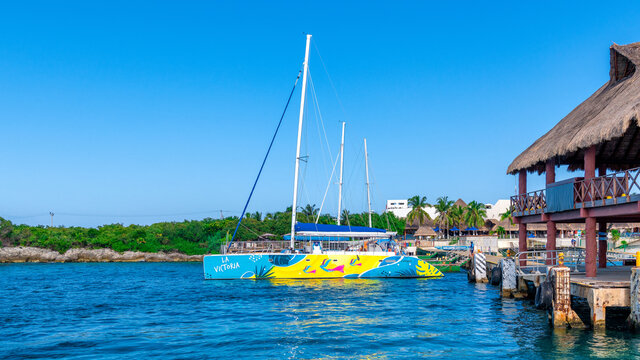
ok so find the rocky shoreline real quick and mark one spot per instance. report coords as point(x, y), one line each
point(20, 254)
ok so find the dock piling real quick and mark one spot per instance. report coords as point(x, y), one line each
point(634, 317)
point(508, 284)
point(562, 315)
point(480, 267)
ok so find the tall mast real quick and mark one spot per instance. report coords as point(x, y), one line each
point(341, 167)
point(366, 165)
point(297, 168)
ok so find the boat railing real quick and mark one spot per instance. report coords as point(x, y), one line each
point(277, 246)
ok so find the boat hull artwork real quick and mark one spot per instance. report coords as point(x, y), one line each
point(315, 266)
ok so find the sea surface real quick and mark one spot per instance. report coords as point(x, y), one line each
point(167, 311)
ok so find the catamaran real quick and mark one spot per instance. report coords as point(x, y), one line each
point(318, 251)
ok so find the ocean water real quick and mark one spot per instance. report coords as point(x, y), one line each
point(167, 310)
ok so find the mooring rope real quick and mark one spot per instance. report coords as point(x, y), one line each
point(264, 161)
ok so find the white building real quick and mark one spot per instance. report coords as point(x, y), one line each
point(400, 208)
point(500, 207)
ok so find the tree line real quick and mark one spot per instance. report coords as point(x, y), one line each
point(192, 237)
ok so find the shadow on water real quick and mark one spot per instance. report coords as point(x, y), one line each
point(142, 310)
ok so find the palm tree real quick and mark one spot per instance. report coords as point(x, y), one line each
point(457, 216)
point(344, 217)
point(443, 206)
point(475, 214)
point(310, 212)
point(508, 215)
point(417, 204)
point(257, 215)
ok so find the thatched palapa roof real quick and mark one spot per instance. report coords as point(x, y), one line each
point(460, 203)
point(609, 119)
point(425, 231)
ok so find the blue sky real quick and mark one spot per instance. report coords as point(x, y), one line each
point(139, 112)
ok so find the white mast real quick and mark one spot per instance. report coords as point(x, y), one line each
point(341, 167)
point(297, 168)
point(366, 165)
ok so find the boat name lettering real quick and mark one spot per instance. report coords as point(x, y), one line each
point(225, 267)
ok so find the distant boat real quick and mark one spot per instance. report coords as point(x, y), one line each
point(361, 252)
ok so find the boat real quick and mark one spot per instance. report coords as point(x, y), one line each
point(320, 251)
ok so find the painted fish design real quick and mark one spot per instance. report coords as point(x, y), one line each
point(307, 270)
point(354, 260)
point(326, 263)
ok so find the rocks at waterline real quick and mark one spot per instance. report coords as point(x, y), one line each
point(32, 254)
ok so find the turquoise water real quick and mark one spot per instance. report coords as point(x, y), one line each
point(165, 310)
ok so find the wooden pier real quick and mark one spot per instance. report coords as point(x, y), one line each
point(572, 299)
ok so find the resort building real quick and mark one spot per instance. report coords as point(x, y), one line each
point(400, 208)
point(601, 135)
point(495, 211)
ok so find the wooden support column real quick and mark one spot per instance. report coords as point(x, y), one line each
point(602, 231)
point(522, 228)
point(602, 244)
point(550, 174)
point(590, 222)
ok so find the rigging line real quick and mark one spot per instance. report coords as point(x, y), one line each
point(265, 159)
point(327, 189)
point(246, 227)
point(330, 80)
point(316, 107)
point(313, 92)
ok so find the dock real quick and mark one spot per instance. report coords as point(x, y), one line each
point(571, 298)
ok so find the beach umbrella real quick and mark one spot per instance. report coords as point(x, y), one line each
point(454, 229)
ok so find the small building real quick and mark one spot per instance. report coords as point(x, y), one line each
point(399, 208)
point(603, 134)
point(495, 211)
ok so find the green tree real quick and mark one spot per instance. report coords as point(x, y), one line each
point(417, 212)
point(344, 217)
point(443, 207)
point(508, 215)
point(310, 212)
point(475, 214)
point(456, 213)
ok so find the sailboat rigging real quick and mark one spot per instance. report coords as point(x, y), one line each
point(364, 252)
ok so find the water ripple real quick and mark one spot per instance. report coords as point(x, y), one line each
point(151, 310)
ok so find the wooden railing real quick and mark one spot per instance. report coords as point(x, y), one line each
point(604, 190)
point(607, 190)
point(530, 203)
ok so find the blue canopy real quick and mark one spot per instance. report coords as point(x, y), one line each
point(473, 228)
point(437, 228)
point(336, 228)
point(454, 229)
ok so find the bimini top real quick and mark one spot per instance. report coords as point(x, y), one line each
point(306, 229)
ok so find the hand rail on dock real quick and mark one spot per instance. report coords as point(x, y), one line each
point(538, 261)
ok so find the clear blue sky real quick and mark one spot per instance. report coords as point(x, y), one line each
point(141, 112)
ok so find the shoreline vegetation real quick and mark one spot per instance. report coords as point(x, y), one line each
point(188, 240)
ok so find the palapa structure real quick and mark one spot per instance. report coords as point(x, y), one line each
point(425, 232)
point(601, 133)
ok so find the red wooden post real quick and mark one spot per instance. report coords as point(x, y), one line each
point(550, 172)
point(522, 228)
point(590, 222)
point(602, 244)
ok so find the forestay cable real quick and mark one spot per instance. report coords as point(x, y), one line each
point(265, 160)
